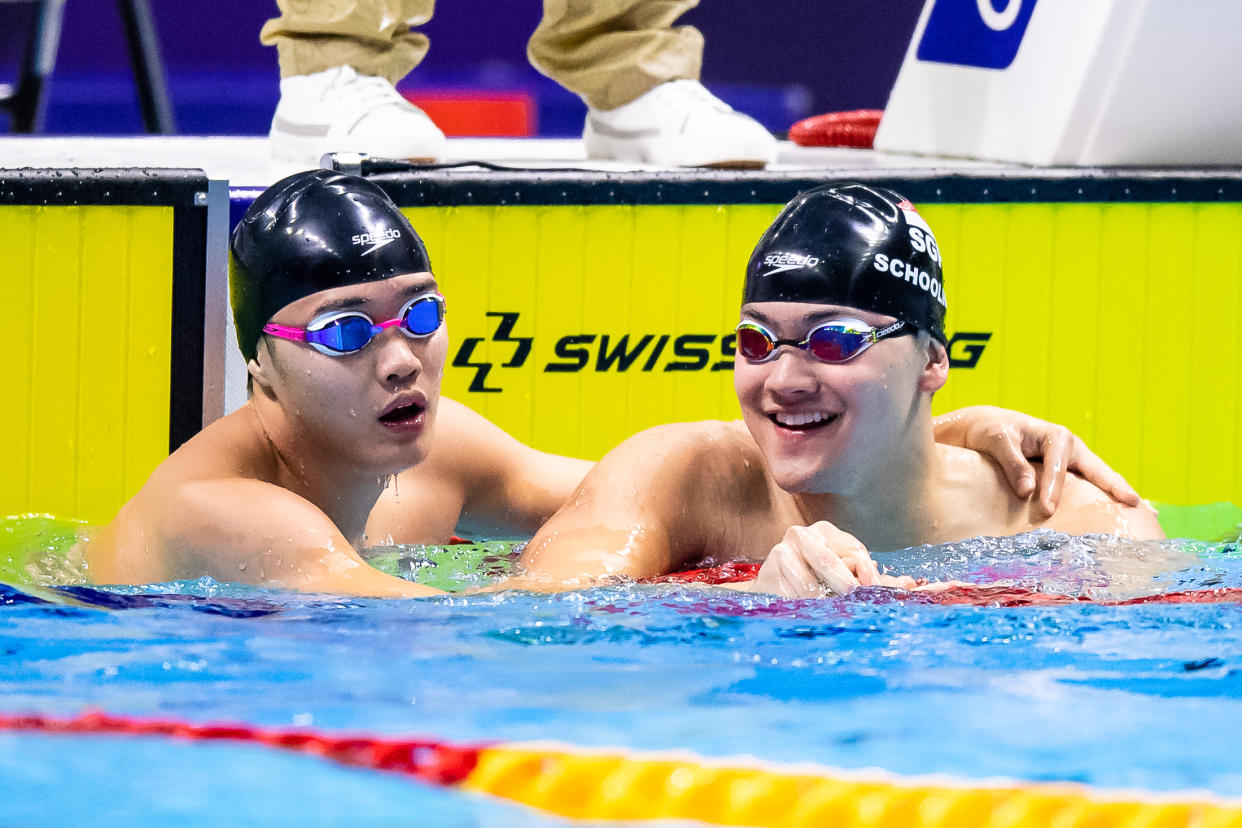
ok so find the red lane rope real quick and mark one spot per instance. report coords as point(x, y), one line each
point(625, 786)
point(430, 761)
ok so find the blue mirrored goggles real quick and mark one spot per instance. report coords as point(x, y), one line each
point(836, 341)
point(346, 332)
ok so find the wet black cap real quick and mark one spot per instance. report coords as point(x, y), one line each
point(864, 247)
point(309, 232)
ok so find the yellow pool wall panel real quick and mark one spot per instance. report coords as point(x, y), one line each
point(1115, 319)
point(1120, 323)
point(577, 325)
point(87, 391)
point(661, 282)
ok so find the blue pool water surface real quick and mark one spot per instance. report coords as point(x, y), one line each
point(1144, 696)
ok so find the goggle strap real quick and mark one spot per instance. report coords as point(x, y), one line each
point(285, 332)
point(379, 326)
point(876, 336)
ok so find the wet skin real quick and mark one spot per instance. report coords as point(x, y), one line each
point(278, 493)
point(850, 443)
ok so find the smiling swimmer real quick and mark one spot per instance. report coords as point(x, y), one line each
point(840, 348)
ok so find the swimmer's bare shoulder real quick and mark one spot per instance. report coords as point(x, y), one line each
point(477, 481)
point(659, 501)
point(989, 503)
point(1086, 509)
point(213, 508)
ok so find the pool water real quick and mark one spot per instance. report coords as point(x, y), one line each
point(1138, 696)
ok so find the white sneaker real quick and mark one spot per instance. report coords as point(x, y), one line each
point(679, 124)
point(339, 110)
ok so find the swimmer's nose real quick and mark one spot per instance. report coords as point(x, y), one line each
point(791, 373)
point(397, 359)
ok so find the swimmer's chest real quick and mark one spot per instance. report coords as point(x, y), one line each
point(415, 510)
point(746, 535)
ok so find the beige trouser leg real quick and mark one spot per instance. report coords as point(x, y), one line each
point(373, 36)
point(610, 52)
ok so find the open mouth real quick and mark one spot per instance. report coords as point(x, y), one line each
point(803, 422)
point(402, 414)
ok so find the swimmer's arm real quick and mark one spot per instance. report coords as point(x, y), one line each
point(247, 531)
point(1011, 437)
point(509, 488)
point(634, 516)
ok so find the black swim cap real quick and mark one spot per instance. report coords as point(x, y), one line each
point(309, 232)
point(864, 247)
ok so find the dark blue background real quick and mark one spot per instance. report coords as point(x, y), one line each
point(778, 59)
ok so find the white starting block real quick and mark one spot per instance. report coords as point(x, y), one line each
point(1068, 82)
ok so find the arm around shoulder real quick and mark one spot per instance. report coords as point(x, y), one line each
point(508, 488)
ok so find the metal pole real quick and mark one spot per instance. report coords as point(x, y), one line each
point(144, 58)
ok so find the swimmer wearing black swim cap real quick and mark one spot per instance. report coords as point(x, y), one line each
point(343, 327)
point(850, 276)
point(858, 246)
point(840, 349)
point(313, 231)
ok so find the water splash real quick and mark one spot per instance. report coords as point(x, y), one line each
point(41, 550)
point(1100, 567)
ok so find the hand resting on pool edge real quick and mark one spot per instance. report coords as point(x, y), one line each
point(837, 362)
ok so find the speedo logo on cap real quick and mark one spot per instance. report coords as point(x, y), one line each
point(780, 262)
point(377, 240)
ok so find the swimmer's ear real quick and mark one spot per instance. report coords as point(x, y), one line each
point(936, 370)
point(259, 367)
